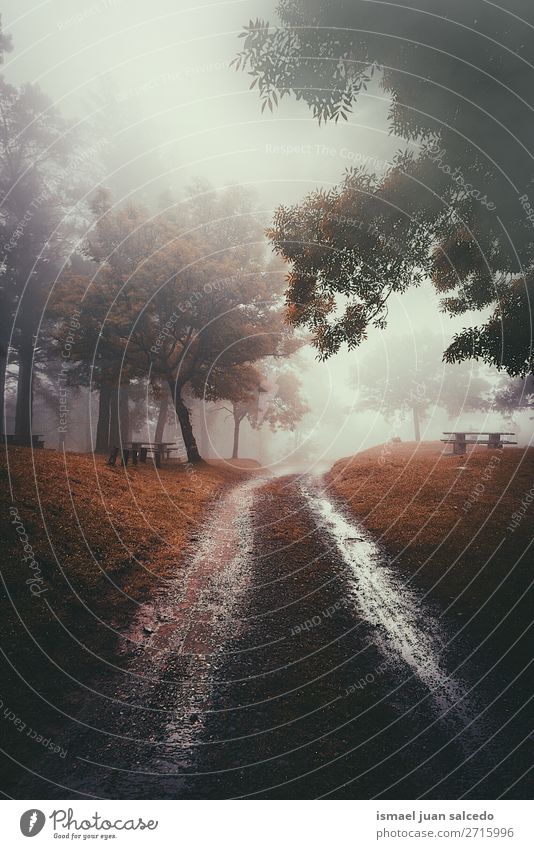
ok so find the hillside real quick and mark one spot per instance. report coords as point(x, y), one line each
point(412, 643)
point(447, 521)
point(83, 545)
point(102, 527)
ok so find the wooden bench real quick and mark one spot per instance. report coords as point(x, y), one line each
point(460, 440)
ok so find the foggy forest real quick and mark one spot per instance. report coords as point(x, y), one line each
point(267, 399)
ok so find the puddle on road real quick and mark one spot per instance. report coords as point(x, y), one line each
point(404, 630)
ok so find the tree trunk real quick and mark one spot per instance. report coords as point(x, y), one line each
point(23, 414)
point(184, 417)
point(416, 425)
point(235, 448)
point(114, 418)
point(203, 414)
point(124, 413)
point(102, 428)
point(3, 372)
point(162, 418)
point(84, 406)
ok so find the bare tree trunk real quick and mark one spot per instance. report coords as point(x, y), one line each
point(102, 428)
point(416, 425)
point(162, 417)
point(184, 417)
point(235, 448)
point(23, 413)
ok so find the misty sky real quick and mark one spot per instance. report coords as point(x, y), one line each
point(167, 62)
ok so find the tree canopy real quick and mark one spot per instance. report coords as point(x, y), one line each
point(164, 308)
point(460, 84)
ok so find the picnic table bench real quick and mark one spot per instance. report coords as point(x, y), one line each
point(11, 439)
point(461, 439)
point(139, 451)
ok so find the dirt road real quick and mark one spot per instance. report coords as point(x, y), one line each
point(293, 663)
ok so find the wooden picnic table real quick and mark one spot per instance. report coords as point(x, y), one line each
point(139, 450)
point(460, 439)
point(11, 439)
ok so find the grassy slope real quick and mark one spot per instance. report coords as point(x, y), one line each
point(444, 518)
point(106, 525)
point(105, 539)
point(445, 522)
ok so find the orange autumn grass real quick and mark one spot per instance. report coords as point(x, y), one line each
point(99, 528)
point(444, 518)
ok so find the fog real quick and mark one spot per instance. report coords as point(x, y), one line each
point(184, 113)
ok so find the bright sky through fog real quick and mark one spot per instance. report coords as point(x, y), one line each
point(170, 63)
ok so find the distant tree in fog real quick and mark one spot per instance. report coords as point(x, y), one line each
point(286, 406)
point(241, 387)
point(5, 42)
point(409, 378)
point(512, 396)
point(263, 396)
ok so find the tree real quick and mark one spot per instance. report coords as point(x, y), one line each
point(285, 406)
point(347, 242)
point(119, 242)
point(5, 43)
point(505, 339)
point(161, 308)
point(34, 149)
point(461, 93)
point(410, 379)
point(269, 396)
point(514, 396)
point(242, 387)
point(5, 297)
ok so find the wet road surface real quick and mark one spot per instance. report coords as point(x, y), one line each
point(292, 663)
